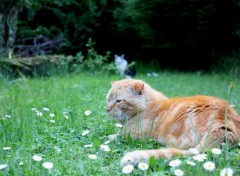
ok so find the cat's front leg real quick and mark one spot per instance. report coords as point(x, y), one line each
point(138, 156)
point(134, 158)
point(137, 128)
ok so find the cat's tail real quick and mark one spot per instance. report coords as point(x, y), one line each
point(234, 124)
point(144, 155)
point(236, 121)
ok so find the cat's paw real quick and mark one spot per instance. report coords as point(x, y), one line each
point(134, 158)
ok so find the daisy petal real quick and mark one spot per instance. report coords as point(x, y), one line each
point(47, 165)
point(127, 169)
point(3, 166)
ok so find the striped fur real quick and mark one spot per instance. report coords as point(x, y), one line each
point(181, 123)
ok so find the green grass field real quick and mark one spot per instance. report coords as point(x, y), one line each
point(46, 117)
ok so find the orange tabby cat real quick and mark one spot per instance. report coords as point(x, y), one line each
point(180, 123)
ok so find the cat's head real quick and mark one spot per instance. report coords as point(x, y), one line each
point(119, 58)
point(126, 98)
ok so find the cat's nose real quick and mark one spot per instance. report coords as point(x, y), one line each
point(108, 109)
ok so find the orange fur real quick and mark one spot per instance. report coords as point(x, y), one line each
point(192, 122)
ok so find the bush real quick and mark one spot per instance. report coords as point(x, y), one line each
point(228, 64)
point(95, 62)
point(176, 34)
point(181, 34)
point(76, 21)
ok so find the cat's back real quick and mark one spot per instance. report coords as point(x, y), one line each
point(198, 104)
point(199, 110)
point(198, 100)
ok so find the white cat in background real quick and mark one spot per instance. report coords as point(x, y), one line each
point(121, 64)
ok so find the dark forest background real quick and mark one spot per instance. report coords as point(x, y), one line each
point(178, 34)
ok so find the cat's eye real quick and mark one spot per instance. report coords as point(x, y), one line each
point(118, 101)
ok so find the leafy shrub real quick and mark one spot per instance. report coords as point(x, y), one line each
point(93, 61)
point(181, 33)
point(228, 64)
point(75, 20)
point(169, 33)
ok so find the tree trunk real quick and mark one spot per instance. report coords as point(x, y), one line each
point(2, 33)
point(12, 27)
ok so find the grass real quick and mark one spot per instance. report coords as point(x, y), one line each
point(58, 139)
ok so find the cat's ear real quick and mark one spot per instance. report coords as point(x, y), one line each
point(138, 88)
point(113, 83)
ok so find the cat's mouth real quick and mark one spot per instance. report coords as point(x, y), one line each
point(121, 118)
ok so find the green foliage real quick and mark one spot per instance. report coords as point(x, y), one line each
point(77, 21)
point(169, 33)
point(180, 30)
point(228, 64)
point(95, 62)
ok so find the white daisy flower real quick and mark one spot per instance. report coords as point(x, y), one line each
point(190, 163)
point(51, 115)
point(175, 163)
point(194, 151)
point(127, 169)
point(84, 133)
point(7, 116)
point(107, 142)
point(226, 172)
point(3, 166)
point(87, 113)
point(57, 149)
point(21, 163)
point(92, 156)
point(209, 166)
point(6, 148)
point(52, 121)
point(105, 147)
point(143, 166)
point(216, 151)
point(112, 137)
point(119, 125)
point(65, 112)
point(46, 109)
point(34, 109)
point(155, 74)
point(178, 172)
point(88, 145)
point(47, 165)
point(37, 158)
point(200, 157)
point(39, 113)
